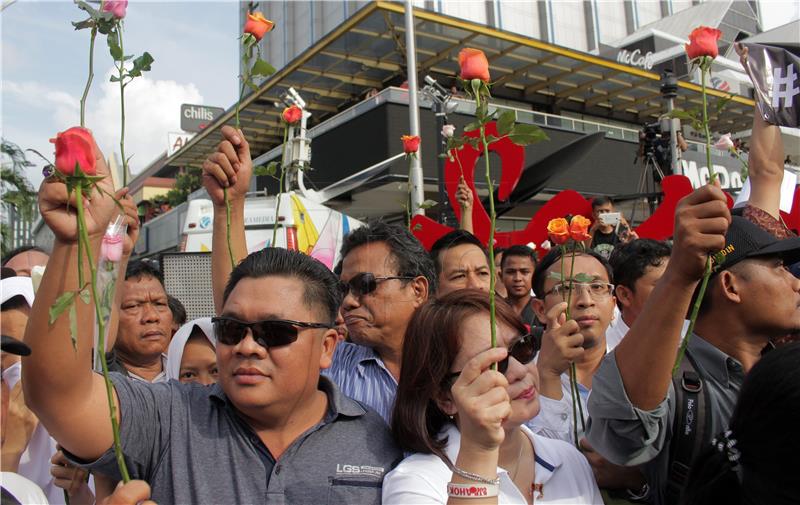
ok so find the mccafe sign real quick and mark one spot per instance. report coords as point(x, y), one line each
point(636, 58)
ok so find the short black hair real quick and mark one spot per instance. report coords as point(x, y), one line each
point(177, 309)
point(411, 258)
point(540, 274)
point(629, 261)
point(138, 269)
point(601, 200)
point(321, 286)
point(451, 240)
point(520, 251)
point(15, 302)
point(19, 250)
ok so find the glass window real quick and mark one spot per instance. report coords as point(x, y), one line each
point(474, 11)
point(679, 5)
point(611, 20)
point(520, 17)
point(570, 24)
point(648, 11)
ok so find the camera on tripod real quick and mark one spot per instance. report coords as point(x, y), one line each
point(654, 144)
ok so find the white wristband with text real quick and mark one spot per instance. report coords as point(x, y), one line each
point(455, 490)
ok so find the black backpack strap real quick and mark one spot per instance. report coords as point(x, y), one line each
point(692, 417)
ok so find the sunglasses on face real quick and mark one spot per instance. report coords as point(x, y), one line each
point(522, 349)
point(268, 333)
point(366, 282)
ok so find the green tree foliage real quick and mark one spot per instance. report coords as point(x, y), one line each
point(15, 189)
point(185, 184)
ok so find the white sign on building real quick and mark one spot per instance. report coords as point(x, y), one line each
point(177, 140)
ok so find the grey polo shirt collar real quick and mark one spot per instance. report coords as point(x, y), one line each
point(714, 362)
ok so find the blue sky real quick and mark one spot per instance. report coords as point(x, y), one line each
point(195, 46)
point(44, 69)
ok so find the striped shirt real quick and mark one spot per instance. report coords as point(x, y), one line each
point(360, 374)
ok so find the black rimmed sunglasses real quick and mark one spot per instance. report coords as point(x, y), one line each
point(366, 282)
point(268, 333)
point(522, 349)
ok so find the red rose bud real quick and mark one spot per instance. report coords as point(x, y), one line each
point(703, 42)
point(116, 7)
point(257, 25)
point(292, 114)
point(474, 64)
point(75, 146)
point(410, 143)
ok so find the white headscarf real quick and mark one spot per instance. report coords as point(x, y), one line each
point(175, 351)
point(17, 286)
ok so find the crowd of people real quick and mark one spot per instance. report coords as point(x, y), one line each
point(377, 382)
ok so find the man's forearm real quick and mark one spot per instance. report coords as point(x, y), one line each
point(221, 267)
point(466, 220)
point(646, 355)
point(765, 164)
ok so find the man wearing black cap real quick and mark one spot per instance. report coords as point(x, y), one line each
point(751, 298)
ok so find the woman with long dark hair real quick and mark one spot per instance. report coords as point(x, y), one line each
point(464, 421)
point(755, 461)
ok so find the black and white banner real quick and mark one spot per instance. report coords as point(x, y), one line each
point(774, 72)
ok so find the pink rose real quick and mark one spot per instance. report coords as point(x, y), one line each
point(75, 147)
point(116, 7)
point(725, 143)
point(111, 248)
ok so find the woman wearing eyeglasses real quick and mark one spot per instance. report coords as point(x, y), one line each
point(463, 421)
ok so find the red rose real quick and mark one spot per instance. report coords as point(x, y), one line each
point(257, 25)
point(75, 147)
point(579, 228)
point(410, 143)
point(292, 114)
point(474, 64)
point(703, 42)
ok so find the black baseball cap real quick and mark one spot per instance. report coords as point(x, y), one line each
point(746, 239)
point(13, 346)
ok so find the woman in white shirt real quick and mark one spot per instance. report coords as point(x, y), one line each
point(464, 421)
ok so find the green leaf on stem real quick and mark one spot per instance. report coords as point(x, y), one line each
point(73, 326)
point(61, 304)
point(261, 67)
point(417, 227)
point(491, 138)
point(523, 139)
point(114, 78)
point(723, 102)
point(248, 40)
point(88, 8)
point(85, 295)
point(682, 114)
point(472, 126)
point(141, 64)
point(113, 45)
point(251, 85)
point(506, 122)
point(80, 25)
point(583, 277)
point(556, 276)
point(270, 169)
point(428, 204)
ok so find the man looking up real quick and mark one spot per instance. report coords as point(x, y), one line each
point(637, 265)
point(751, 297)
point(145, 325)
point(460, 261)
point(386, 274)
point(517, 268)
point(286, 434)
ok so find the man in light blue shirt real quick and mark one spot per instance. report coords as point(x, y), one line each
point(385, 275)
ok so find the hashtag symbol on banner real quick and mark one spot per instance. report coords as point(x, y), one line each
point(784, 87)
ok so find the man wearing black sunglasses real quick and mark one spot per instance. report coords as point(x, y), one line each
point(271, 430)
point(386, 275)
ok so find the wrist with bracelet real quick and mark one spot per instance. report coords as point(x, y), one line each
point(480, 488)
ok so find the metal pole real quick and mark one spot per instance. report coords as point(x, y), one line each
point(445, 213)
point(417, 190)
point(673, 139)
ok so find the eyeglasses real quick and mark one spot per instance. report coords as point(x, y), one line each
point(522, 349)
point(366, 282)
point(597, 290)
point(268, 333)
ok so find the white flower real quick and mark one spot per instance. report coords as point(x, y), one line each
point(448, 130)
point(724, 143)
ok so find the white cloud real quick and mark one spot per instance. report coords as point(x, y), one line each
point(152, 109)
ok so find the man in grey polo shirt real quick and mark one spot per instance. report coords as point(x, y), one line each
point(751, 298)
point(271, 431)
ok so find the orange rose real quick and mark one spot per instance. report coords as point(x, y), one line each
point(257, 25)
point(474, 64)
point(74, 147)
point(410, 143)
point(579, 228)
point(292, 114)
point(558, 230)
point(703, 42)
